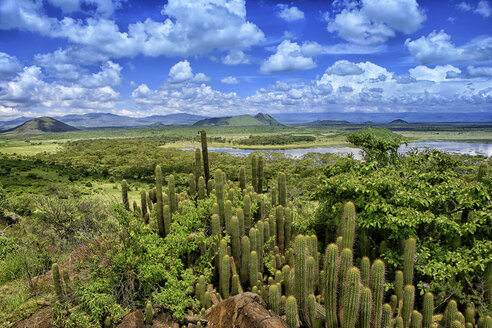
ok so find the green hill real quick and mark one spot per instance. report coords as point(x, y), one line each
point(40, 125)
point(259, 119)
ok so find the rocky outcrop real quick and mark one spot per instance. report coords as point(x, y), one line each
point(246, 310)
point(132, 320)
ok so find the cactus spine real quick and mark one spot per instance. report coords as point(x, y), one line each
point(408, 260)
point(206, 171)
point(399, 285)
point(386, 318)
point(310, 274)
point(365, 308)
point(274, 298)
point(124, 194)
point(351, 301)
point(300, 290)
point(450, 313)
point(282, 189)
point(377, 287)
point(408, 301)
point(331, 276)
point(428, 310)
point(348, 225)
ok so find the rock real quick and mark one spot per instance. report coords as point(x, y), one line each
point(41, 319)
point(2, 233)
point(12, 219)
point(246, 310)
point(132, 320)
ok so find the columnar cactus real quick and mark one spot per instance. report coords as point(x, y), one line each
point(192, 185)
point(57, 282)
point(408, 260)
point(450, 313)
point(399, 285)
point(377, 287)
point(483, 171)
point(260, 240)
point(408, 302)
point(159, 205)
point(351, 301)
point(245, 252)
point(201, 188)
point(310, 263)
point(280, 228)
point(219, 192)
point(288, 226)
point(274, 197)
point(274, 298)
point(197, 165)
point(200, 289)
point(282, 189)
point(206, 171)
point(365, 270)
point(291, 312)
point(428, 310)
point(348, 225)
point(331, 277)
point(173, 202)
point(143, 205)
point(148, 313)
point(124, 194)
point(261, 163)
point(253, 269)
point(235, 243)
point(346, 263)
point(416, 320)
point(227, 215)
point(470, 315)
point(365, 308)
point(240, 219)
point(67, 283)
point(225, 276)
point(242, 178)
point(399, 322)
point(247, 212)
point(300, 290)
point(386, 318)
point(254, 172)
point(166, 214)
point(235, 285)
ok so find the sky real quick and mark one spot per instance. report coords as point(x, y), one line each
point(229, 57)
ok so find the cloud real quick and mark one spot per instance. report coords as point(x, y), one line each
point(289, 14)
point(311, 48)
point(103, 7)
point(9, 66)
point(479, 71)
point(289, 57)
point(343, 68)
point(29, 90)
point(181, 72)
point(235, 57)
point(191, 28)
point(375, 21)
point(230, 80)
point(438, 48)
point(483, 8)
point(464, 6)
point(436, 74)
point(108, 76)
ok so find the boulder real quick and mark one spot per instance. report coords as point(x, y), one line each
point(12, 219)
point(246, 310)
point(133, 320)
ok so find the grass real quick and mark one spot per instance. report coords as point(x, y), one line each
point(17, 302)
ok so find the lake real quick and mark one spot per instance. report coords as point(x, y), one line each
point(467, 148)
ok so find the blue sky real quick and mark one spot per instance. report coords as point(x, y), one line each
point(227, 57)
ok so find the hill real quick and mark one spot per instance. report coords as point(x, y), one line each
point(40, 125)
point(259, 119)
point(399, 121)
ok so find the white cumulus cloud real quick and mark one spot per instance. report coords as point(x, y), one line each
point(181, 72)
point(289, 57)
point(479, 71)
point(344, 67)
point(436, 74)
point(230, 80)
point(290, 13)
point(438, 48)
point(375, 21)
point(235, 57)
point(9, 66)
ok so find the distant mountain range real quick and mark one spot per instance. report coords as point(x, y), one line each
point(41, 124)
point(100, 120)
point(259, 119)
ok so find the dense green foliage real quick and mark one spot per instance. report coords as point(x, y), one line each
point(428, 196)
point(380, 145)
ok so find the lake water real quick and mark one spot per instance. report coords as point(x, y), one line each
point(468, 148)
